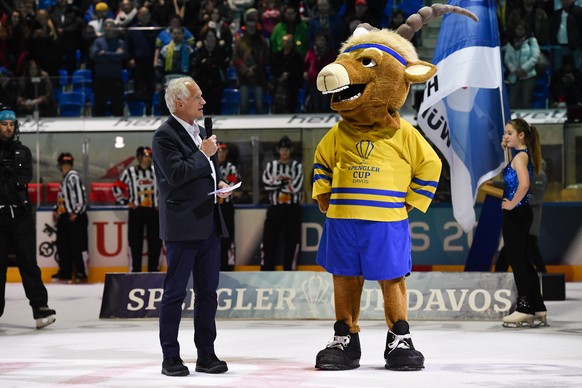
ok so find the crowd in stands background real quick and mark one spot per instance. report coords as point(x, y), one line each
point(247, 35)
point(233, 44)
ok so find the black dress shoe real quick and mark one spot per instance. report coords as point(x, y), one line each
point(210, 364)
point(174, 366)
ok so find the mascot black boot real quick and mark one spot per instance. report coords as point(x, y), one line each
point(342, 352)
point(400, 353)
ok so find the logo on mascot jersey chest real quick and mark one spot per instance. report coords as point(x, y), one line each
point(362, 172)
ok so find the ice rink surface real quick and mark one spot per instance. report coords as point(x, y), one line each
point(81, 350)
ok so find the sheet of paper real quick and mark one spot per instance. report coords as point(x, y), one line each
point(226, 189)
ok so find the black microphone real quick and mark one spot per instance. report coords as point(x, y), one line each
point(208, 126)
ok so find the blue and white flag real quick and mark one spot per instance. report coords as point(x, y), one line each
point(464, 110)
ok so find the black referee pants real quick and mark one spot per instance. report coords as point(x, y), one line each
point(72, 241)
point(139, 219)
point(283, 223)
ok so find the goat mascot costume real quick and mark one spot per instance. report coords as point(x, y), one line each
point(370, 170)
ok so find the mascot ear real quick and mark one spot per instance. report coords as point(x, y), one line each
point(420, 71)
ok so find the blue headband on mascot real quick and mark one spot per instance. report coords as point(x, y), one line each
point(386, 49)
point(7, 115)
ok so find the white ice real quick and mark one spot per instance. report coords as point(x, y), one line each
point(80, 350)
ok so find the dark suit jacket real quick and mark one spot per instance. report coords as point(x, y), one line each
point(184, 179)
point(573, 26)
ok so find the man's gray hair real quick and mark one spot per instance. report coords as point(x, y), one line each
point(175, 90)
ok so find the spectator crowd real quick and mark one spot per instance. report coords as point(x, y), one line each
point(268, 51)
point(249, 56)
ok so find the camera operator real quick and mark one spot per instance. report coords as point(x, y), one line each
point(16, 220)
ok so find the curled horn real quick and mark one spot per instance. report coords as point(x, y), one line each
point(415, 22)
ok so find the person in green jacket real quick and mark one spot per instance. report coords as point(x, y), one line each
point(291, 24)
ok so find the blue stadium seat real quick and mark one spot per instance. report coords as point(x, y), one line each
point(300, 100)
point(541, 91)
point(267, 101)
point(229, 103)
point(126, 76)
point(71, 104)
point(136, 108)
point(82, 76)
point(156, 104)
point(82, 82)
point(231, 76)
point(63, 80)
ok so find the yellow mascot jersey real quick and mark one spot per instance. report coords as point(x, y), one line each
point(371, 176)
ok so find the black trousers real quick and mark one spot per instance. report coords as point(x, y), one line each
point(20, 233)
point(282, 222)
point(227, 248)
point(199, 259)
point(533, 252)
point(516, 225)
point(139, 219)
point(72, 241)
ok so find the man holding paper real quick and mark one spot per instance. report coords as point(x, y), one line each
point(191, 225)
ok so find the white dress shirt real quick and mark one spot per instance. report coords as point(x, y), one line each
point(194, 132)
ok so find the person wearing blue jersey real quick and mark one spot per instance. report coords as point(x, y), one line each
point(523, 158)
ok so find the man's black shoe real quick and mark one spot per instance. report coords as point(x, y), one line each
point(210, 364)
point(44, 316)
point(81, 278)
point(174, 366)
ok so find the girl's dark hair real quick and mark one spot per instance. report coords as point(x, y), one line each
point(532, 141)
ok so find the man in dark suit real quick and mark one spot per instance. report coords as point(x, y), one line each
point(191, 225)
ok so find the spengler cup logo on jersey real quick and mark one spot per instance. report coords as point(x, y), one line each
point(361, 172)
point(364, 148)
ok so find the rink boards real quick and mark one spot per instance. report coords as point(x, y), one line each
point(309, 295)
point(438, 242)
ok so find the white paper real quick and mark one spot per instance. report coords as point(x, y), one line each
point(226, 189)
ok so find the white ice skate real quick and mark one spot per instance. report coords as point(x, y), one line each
point(540, 319)
point(517, 319)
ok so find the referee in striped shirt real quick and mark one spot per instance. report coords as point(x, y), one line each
point(139, 182)
point(283, 180)
point(71, 217)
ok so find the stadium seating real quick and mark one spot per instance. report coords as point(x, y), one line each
point(71, 104)
point(52, 192)
point(231, 76)
point(156, 104)
point(541, 91)
point(101, 193)
point(82, 82)
point(36, 194)
point(64, 80)
point(136, 108)
point(229, 103)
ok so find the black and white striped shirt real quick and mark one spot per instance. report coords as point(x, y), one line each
point(230, 175)
point(72, 197)
point(142, 189)
point(283, 182)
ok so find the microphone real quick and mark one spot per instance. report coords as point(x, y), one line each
point(208, 126)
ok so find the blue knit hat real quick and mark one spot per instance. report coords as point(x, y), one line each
point(7, 115)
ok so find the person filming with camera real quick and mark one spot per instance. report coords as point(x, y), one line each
point(16, 220)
